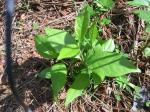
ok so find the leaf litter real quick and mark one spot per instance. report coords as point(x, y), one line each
point(27, 63)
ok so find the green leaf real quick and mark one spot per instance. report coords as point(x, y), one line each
point(82, 23)
point(148, 103)
point(147, 51)
point(106, 3)
point(105, 21)
point(46, 73)
point(139, 2)
point(81, 83)
point(68, 51)
point(148, 28)
point(122, 79)
point(43, 48)
point(58, 38)
point(108, 64)
point(90, 10)
point(93, 33)
point(58, 77)
point(144, 15)
point(49, 45)
point(97, 79)
point(57, 73)
point(109, 45)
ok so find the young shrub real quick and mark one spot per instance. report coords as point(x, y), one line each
point(96, 59)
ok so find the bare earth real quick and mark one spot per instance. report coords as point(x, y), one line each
point(30, 19)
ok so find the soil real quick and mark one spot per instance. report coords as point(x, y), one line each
point(30, 18)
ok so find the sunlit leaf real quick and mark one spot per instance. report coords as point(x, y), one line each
point(122, 82)
point(108, 64)
point(144, 15)
point(81, 83)
point(108, 45)
point(49, 45)
point(58, 77)
point(68, 51)
point(82, 23)
point(43, 47)
point(58, 38)
point(93, 33)
point(90, 10)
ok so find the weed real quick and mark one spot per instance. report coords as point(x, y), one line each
point(90, 57)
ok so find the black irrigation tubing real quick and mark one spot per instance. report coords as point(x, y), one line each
point(9, 6)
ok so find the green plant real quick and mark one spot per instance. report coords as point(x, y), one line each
point(148, 103)
point(104, 5)
point(144, 14)
point(89, 57)
point(124, 83)
point(105, 21)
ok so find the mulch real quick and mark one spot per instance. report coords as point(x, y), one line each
point(30, 18)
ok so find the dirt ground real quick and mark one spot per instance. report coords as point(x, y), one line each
point(30, 18)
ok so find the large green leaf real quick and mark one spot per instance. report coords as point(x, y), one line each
point(93, 33)
point(81, 83)
point(58, 38)
point(68, 51)
point(46, 73)
point(147, 51)
point(49, 45)
point(108, 64)
point(145, 15)
point(139, 2)
point(82, 23)
point(108, 45)
point(43, 47)
point(58, 77)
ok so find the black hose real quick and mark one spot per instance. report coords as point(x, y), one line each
point(9, 5)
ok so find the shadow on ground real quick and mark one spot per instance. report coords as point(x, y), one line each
point(33, 91)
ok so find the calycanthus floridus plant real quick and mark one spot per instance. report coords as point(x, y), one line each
point(90, 58)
